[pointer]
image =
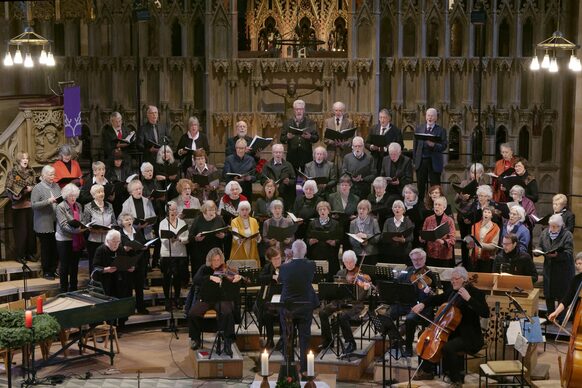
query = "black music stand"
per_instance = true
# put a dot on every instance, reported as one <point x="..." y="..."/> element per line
<point x="288" y="368"/>
<point x="171" y="328"/>
<point x="252" y="274"/>
<point x="336" y="292"/>
<point x="396" y="293"/>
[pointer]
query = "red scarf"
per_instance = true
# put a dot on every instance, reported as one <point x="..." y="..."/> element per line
<point x="78" y="239"/>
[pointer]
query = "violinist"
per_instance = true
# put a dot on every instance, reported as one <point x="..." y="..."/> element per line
<point x="426" y="283"/>
<point x="467" y="337"/>
<point x="573" y="291"/>
<point x="349" y="274"/>
<point x="269" y="278"/>
<point x="217" y="291"/>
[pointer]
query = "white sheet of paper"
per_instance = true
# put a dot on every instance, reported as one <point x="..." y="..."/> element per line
<point x="512" y="331"/>
<point x="521" y="344"/>
<point x="276" y="298"/>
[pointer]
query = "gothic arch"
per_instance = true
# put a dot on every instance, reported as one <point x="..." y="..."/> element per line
<point x="477" y="145"/>
<point x="500" y="138"/>
<point x="176" y="39"/>
<point x="199" y="38"/>
<point x="547" y="144"/>
<point x="433" y="37"/>
<point x="454" y="143"/>
<point x="408" y="137"/>
<point x="523" y="142"/>
<point x="364" y="31"/>
<point x="547" y="184"/>
<point x="386" y="37"/>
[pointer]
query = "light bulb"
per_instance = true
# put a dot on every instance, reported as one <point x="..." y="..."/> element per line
<point x="28" y="61"/>
<point x="18" y="56"/>
<point x="546" y="61"/>
<point x="50" y="59"/>
<point x="42" y="58"/>
<point x="8" y="59"/>
<point x="535" y="64"/>
<point x="578" y="66"/>
<point x="553" y="66"/>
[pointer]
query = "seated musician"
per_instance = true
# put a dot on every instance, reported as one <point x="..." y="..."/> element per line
<point x="299" y="297"/>
<point x="269" y="277"/>
<point x="512" y="260"/>
<point x="349" y="274"/>
<point x="115" y="283"/>
<point x="467" y="337"/>
<point x="216" y="291"/>
<point x="426" y="285"/>
<point x="572" y="295"/>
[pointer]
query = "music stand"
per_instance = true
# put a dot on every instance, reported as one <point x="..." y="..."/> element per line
<point x="252" y="274"/>
<point x="336" y="292"/>
<point x="288" y="368"/>
<point x="396" y="293"/>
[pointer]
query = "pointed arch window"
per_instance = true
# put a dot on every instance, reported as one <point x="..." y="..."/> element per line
<point x="454" y="143"/>
<point x="457" y="39"/>
<point x="547" y="144"/>
<point x="504" y="39"/>
<point x="500" y="138"/>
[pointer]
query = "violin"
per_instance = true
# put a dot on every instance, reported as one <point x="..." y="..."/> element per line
<point x="421" y="279"/>
<point x="447" y="318"/>
<point x="229" y="273"/>
<point x="354" y="276"/>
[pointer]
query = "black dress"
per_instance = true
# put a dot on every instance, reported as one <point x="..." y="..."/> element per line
<point x="321" y="250"/>
<point x="118" y="283"/>
<point x="201" y="248"/>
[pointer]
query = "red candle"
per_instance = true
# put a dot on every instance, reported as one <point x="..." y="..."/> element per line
<point x="39" y="305"/>
<point x="28" y="319"/>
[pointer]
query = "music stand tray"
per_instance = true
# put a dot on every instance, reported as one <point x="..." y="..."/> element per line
<point x="393" y="293"/>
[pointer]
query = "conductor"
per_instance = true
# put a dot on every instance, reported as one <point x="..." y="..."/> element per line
<point x="298" y="295"/>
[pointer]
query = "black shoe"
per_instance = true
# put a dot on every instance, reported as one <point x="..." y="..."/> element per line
<point x="350" y="347"/>
<point x="194" y="344"/>
<point x="56" y="275"/>
<point x="48" y="276"/>
<point x="146" y="286"/>
<point x="228" y="348"/>
<point x="143" y="311"/>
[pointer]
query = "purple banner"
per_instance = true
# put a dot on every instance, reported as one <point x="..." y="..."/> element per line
<point x="72" y="117"/>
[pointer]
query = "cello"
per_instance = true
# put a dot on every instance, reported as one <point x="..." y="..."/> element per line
<point x="433" y="338"/>
<point x="572" y="373"/>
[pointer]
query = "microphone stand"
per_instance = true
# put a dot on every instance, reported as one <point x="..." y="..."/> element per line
<point x="171" y="328"/>
<point x="25" y="269"/>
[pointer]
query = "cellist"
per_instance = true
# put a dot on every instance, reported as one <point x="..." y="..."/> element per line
<point x="571" y="296"/>
<point x="467" y="337"/>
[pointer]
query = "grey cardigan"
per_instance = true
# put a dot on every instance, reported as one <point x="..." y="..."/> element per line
<point x="43" y="210"/>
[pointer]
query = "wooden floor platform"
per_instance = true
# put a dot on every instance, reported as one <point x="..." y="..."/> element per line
<point x="218" y="366"/>
<point x="346" y="368"/>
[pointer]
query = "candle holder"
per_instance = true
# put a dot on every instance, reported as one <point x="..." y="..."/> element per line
<point x="265" y="382"/>
<point x="310" y="383"/>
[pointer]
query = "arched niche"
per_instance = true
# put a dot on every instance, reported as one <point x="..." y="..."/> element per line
<point x="523" y="142"/>
<point x="454" y="143"/>
<point x="386" y="37"/>
<point x="477" y="145"/>
<point x="504" y="39"/>
<point x="199" y="38"/>
<point x="547" y="184"/>
<point x="433" y="45"/>
<point x="457" y="38"/>
<point x="176" y="39"/>
<point x="547" y="144"/>
<point x="500" y="138"/>
<point x="527" y="41"/>
<point x="408" y="137"/>
<point x="365" y="32"/>
<point x="409" y="47"/>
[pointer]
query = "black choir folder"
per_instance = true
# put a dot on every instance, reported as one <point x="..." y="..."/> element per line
<point x="379" y="140"/>
<point x="123" y="263"/>
<point x="164" y="233"/>
<point x="206" y="180"/>
<point x="137" y="246"/>
<point x="388" y="236"/>
<point x="436" y="233"/>
<point x="470" y="188"/>
<point x="222" y="229"/>
<point x="296" y="131"/>
<point x="259" y="143"/>
<point x="281" y="233"/>
<point x="427" y="137"/>
<point x="190" y="213"/>
<point x="344" y="134"/>
<point x="145" y="222"/>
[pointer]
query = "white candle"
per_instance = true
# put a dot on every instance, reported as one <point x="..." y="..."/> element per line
<point x="264" y="363"/>
<point x="310" y="364"/>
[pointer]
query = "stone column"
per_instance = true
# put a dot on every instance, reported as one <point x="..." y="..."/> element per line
<point x="576" y="187"/>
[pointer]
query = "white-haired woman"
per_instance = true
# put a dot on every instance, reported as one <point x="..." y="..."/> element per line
<point x="381" y="200"/>
<point x="69" y="236"/>
<point x="557" y="244"/>
<point x="213" y="284"/>
<point x="115" y="282"/>
<point x="207" y="221"/>
<point x="243" y="164"/>
<point x="515" y="224"/>
<point x="173" y="253"/>
<point x="192" y="140"/>
<point x="304" y="206"/>
<point x="44" y="202"/>
<point x="277" y="219"/>
<point x="101" y="213"/>
<point x="366" y="228"/>
<point x="19" y="184"/>
<point x="440" y="252"/>
<point x="139" y="207"/>
<point x="228" y="205"/>
<point x="397" y="249"/>
<point x="245" y="235"/>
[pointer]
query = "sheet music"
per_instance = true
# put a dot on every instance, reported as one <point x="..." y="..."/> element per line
<point x="276" y="298"/>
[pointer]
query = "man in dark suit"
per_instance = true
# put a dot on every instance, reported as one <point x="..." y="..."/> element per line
<point x="391" y="133"/>
<point x="299" y="147"/>
<point x="111" y="136"/>
<point x="296" y="278"/>
<point x="152" y="133"/>
<point x="337" y="149"/>
<point x="428" y="155"/>
<point x="398" y="167"/>
<point x="278" y="169"/>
